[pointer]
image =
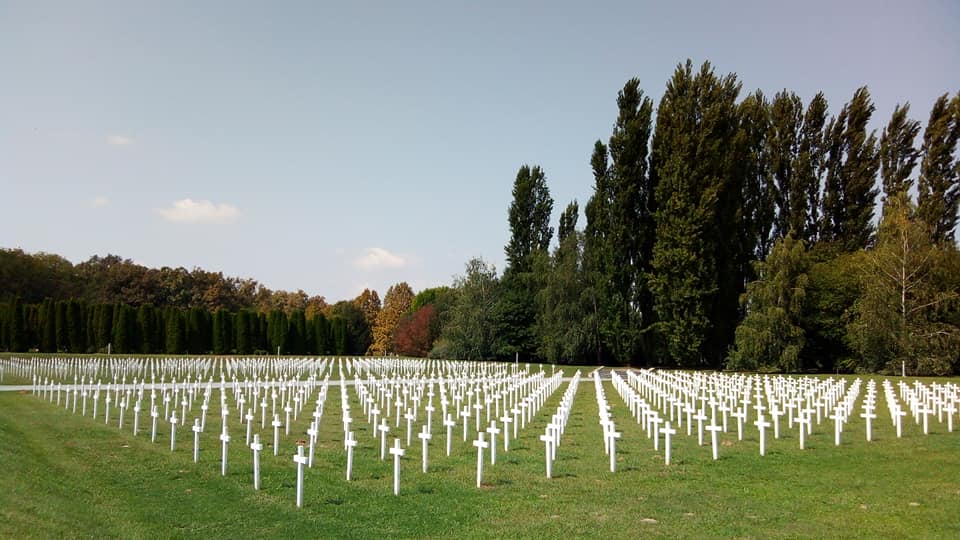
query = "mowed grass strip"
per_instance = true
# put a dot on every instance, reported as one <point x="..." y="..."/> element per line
<point x="70" y="476"/>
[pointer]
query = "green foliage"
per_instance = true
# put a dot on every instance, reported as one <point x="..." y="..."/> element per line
<point x="469" y="334"/>
<point x="357" y="333"/>
<point x="770" y="337"/>
<point x="898" y="318"/>
<point x="939" y="183"/>
<point x="833" y="287"/>
<point x="529" y="218"/>
<point x="619" y="234"/>
<point x="396" y="303"/>
<point x="695" y="263"/>
<point x="562" y="337"/>
<point x="898" y="157"/>
<point x="852" y="163"/>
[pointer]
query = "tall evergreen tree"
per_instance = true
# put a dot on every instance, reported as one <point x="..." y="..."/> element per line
<point x="149" y="330"/>
<point x="277" y="328"/>
<point x="124" y="338"/>
<point x="175" y="331"/>
<point x="695" y="266"/>
<point x="222" y="331"/>
<point x="16" y="329"/>
<point x="898" y="156"/>
<point x="76" y="327"/>
<point x="938" y="186"/>
<point x="62" y="331"/>
<point x="322" y="340"/>
<point x="853" y="160"/>
<point x="48" y="326"/>
<point x="244" y="333"/>
<point x="297" y="336"/>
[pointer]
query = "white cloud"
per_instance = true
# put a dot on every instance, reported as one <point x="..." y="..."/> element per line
<point x="100" y="201"/>
<point x="378" y="258"/>
<point x="191" y="211"/>
<point x="119" y="140"/>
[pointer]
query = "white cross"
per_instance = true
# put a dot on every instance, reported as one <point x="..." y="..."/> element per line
<point x="548" y="441"/>
<point x="196" y="439"/>
<point x="713" y="428"/>
<point x="506" y="431"/>
<point x="493" y="430"/>
<point x="396" y="451"/>
<point x="762" y="424"/>
<point x="449" y="423"/>
<point x="350" y="443"/>
<point x="225" y="440"/>
<point x="300" y="460"/>
<point x="667" y="432"/>
<point x="173" y="430"/>
<point x="480" y="444"/>
<point x="425" y="436"/>
<point x="276" y="433"/>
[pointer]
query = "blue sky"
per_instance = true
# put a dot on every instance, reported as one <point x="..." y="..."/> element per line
<point x="335" y="146"/>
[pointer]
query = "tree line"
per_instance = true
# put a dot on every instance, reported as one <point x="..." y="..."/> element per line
<point x="730" y="230"/>
<point x="724" y="230"/>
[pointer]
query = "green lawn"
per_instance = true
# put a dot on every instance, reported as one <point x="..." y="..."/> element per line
<point x="69" y="476"/>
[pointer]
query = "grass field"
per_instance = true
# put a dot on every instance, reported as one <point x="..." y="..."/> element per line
<point x="70" y="476"/>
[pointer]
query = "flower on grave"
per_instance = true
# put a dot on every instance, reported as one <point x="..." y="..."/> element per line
<point x="301" y="442"/>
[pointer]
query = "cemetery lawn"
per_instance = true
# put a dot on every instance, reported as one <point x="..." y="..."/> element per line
<point x="65" y="475"/>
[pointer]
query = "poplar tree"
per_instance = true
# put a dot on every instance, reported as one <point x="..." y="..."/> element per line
<point x="849" y="194"/>
<point x="938" y="187"/>
<point x="619" y="234"/>
<point x="782" y="147"/>
<point x="530" y="235"/>
<point x="808" y="170"/>
<point x="898" y="156"/>
<point x="697" y="192"/>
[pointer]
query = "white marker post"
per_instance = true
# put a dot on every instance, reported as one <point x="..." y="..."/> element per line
<point x="449" y="423"/>
<point x="173" y="430"/>
<point x="225" y="439"/>
<point x="155" y="413"/>
<point x="196" y="439"/>
<point x="256" y="447"/>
